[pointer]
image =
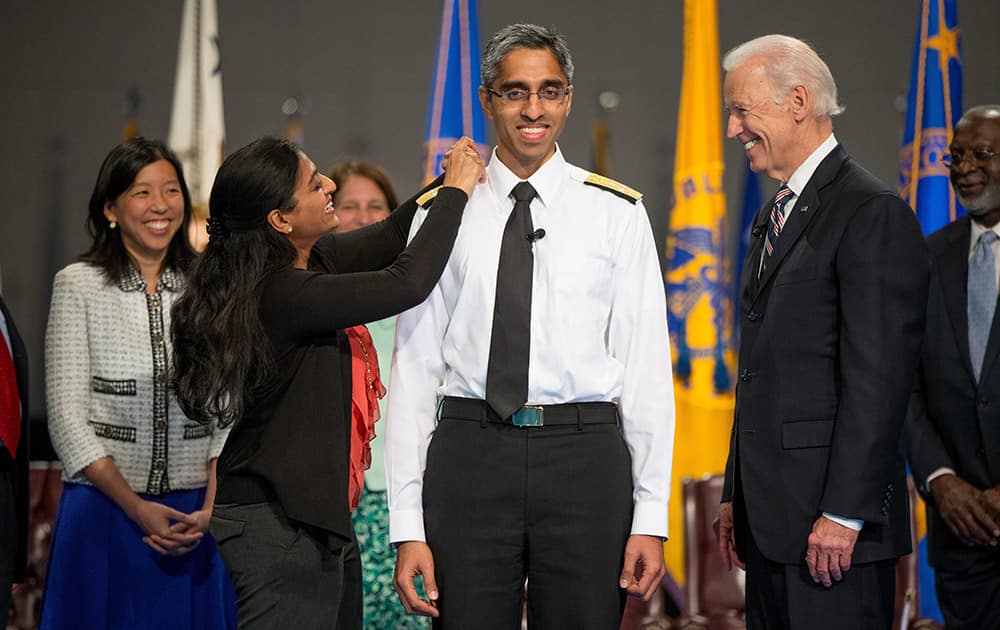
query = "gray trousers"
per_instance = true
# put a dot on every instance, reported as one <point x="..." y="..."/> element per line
<point x="287" y="575"/>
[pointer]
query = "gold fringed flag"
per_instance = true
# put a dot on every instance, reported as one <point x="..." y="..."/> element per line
<point x="698" y="277"/>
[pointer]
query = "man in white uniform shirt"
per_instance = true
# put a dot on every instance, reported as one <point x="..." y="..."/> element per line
<point x="532" y="423"/>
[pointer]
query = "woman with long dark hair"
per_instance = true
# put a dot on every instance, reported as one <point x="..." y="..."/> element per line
<point x="259" y="344"/>
<point x="130" y="547"/>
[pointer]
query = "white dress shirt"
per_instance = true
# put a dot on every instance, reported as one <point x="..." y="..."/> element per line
<point x="598" y="332"/>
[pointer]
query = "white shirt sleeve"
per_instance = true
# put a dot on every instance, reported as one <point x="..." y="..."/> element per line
<point x="851" y="523"/>
<point x="411" y="413"/>
<point x="638" y="339"/>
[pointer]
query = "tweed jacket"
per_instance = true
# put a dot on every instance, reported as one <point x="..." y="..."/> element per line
<point x="107" y="348"/>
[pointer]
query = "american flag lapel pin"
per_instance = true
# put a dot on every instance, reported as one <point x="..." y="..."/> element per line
<point x="804" y="209"/>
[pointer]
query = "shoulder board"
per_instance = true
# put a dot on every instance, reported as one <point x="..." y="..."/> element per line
<point x="629" y="194"/>
<point x="427" y="197"/>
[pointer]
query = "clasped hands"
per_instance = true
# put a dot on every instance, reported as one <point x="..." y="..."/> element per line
<point x="169" y="531"/>
<point x="973" y="515"/>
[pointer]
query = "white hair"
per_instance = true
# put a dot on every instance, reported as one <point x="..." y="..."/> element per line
<point x="789" y="62"/>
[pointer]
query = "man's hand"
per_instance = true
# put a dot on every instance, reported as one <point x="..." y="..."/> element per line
<point x="643" y="566"/>
<point x="990" y="500"/>
<point x="961" y="506"/>
<point x="828" y="555"/>
<point x="414" y="558"/>
<point x="727" y="540"/>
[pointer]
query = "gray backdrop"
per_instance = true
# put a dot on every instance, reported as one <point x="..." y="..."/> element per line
<point x="365" y="67"/>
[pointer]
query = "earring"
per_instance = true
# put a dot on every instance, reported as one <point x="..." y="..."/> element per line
<point x="113" y="224"/>
<point x="289" y="229"/>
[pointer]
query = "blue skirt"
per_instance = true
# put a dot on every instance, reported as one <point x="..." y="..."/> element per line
<point x="101" y="574"/>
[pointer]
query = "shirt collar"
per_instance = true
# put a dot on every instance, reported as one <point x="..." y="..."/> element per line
<point x="132" y="280"/>
<point x="546" y="180"/>
<point x="977" y="231"/>
<point x="797" y="182"/>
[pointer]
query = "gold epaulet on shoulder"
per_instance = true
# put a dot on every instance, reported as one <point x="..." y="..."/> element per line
<point x="617" y="188"/>
<point x="423" y="199"/>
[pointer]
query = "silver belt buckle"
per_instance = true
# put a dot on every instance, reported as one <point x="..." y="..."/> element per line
<point x="529" y="416"/>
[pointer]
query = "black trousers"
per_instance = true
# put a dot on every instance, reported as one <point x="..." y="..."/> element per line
<point x="552" y="505"/>
<point x="8" y="534"/>
<point x="287" y="575"/>
<point x="783" y="596"/>
<point x="970" y="599"/>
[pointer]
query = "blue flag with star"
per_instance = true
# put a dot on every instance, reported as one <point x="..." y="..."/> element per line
<point x="934" y="105"/>
<point x="454" y="107"/>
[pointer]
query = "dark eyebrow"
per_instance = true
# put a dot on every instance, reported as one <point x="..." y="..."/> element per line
<point x="520" y="85"/>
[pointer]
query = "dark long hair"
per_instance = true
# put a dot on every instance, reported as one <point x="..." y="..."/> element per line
<point x="117" y="174"/>
<point x="222" y="361"/>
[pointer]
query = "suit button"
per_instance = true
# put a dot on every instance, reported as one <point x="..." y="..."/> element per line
<point x="984" y="402"/>
<point x="753" y="316"/>
<point x="981" y="452"/>
<point x="745" y="375"/>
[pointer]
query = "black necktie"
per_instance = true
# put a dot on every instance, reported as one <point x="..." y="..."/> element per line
<point x="507" y="371"/>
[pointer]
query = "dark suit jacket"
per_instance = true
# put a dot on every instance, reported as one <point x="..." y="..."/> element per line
<point x="830" y="335"/>
<point x="21" y="462"/>
<point x="953" y="422"/>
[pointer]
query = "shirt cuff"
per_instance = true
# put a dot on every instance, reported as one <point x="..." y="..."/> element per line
<point x="940" y="472"/>
<point x="406" y="525"/>
<point x="650" y="518"/>
<point x="852" y="523"/>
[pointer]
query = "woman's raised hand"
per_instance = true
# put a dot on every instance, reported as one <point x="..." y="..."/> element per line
<point x="463" y="166"/>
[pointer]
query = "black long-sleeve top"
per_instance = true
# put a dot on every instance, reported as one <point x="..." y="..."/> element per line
<point x="294" y="447"/>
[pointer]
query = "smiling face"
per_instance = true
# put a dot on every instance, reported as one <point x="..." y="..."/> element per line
<point x="527" y="131"/>
<point x="149" y="213"/>
<point x="767" y="130"/>
<point x="313" y="215"/>
<point x="977" y="184"/>
<point x="360" y="202"/>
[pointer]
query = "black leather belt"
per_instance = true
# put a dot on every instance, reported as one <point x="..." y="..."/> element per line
<point x="568" y="414"/>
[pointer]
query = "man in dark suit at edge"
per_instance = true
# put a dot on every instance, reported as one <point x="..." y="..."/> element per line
<point x="953" y="428"/>
<point x="832" y="314"/>
<point x="13" y="459"/>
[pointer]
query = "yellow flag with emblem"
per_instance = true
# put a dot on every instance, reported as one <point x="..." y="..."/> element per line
<point x="698" y="277"/>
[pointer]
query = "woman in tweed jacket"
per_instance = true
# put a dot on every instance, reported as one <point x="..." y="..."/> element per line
<point x="130" y="547"/>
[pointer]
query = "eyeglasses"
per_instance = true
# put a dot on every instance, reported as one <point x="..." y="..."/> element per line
<point x="977" y="157"/>
<point x="519" y="95"/>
